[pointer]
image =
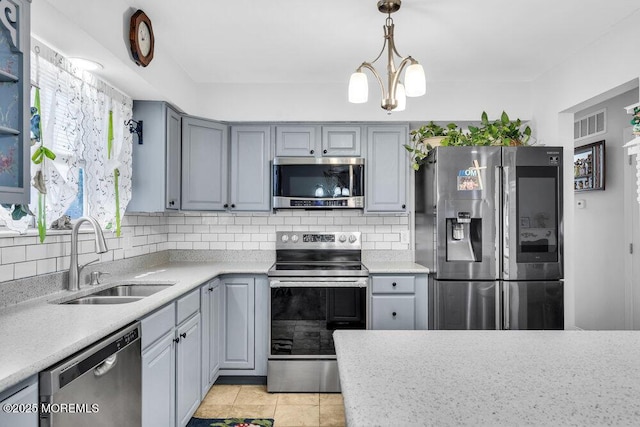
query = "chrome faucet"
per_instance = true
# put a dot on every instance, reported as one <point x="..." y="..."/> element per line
<point x="101" y="247"/>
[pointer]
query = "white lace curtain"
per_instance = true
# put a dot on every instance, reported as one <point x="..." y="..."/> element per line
<point x="76" y="109"/>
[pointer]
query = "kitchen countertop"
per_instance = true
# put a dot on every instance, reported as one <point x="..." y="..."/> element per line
<point x="489" y="377"/>
<point x="398" y="267"/>
<point x="37" y="334"/>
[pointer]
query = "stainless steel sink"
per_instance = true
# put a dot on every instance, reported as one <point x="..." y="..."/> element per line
<point x="103" y="300"/>
<point x="131" y="290"/>
<point x="120" y="294"/>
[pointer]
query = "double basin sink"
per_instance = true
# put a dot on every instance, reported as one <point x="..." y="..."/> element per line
<point x="120" y="294"/>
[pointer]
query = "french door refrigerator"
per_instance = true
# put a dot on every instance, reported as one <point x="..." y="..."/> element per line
<point x="489" y="228"/>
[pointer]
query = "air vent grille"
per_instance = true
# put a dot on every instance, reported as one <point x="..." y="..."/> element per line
<point x="590" y="125"/>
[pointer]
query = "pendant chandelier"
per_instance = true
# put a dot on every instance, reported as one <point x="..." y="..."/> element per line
<point x="395" y="93"/>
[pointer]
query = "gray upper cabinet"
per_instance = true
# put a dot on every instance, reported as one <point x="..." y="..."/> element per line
<point x="156" y="162"/>
<point x="296" y="141"/>
<point x="317" y="141"/>
<point x="15" y="138"/>
<point x="249" y="169"/>
<point x="386" y="168"/>
<point x="204" y="164"/>
<point x="341" y="140"/>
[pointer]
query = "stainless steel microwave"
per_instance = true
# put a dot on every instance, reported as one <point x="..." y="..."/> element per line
<point x="318" y="183"/>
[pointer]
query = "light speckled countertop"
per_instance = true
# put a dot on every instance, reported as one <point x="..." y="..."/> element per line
<point x="37" y="334"/>
<point x="397" y="267"/>
<point x="489" y="377"/>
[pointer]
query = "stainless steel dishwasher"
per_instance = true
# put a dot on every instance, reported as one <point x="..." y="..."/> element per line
<point x="98" y="386"/>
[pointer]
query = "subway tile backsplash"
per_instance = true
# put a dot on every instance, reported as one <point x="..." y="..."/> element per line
<point x="147" y="233"/>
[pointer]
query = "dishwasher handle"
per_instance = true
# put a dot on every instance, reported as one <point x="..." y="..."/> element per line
<point x="105" y="366"/>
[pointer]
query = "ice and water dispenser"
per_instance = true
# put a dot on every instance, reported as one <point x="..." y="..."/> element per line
<point x="464" y="232"/>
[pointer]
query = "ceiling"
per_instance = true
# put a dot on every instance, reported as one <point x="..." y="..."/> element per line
<point x="282" y="41"/>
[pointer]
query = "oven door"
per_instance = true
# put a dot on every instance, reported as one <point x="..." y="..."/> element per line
<point x="304" y="312"/>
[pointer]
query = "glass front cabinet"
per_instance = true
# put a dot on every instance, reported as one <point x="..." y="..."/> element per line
<point x="15" y="87"/>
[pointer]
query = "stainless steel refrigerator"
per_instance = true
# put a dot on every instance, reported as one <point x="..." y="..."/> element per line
<point x="489" y="227"/>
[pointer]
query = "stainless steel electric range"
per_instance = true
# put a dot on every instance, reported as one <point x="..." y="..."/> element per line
<point x="318" y="284"/>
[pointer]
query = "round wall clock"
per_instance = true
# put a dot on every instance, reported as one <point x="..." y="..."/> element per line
<point x="141" y="38"/>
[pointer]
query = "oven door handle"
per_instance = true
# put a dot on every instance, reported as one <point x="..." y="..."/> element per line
<point x="318" y="284"/>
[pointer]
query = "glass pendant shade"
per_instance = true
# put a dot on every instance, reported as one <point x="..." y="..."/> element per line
<point x="401" y="97"/>
<point x="358" y="88"/>
<point x="415" y="81"/>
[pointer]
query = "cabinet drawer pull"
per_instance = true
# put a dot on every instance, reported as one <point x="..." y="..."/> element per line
<point x="394" y="284"/>
<point x="183" y="335"/>
<point x="393" y="314"/>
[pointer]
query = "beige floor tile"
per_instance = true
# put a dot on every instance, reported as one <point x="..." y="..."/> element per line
<point x="332" y="416"/>
<point x="255" y="395"/>
<point x="252" y="411"/>
<point x="212" y="411"/>
<point x="298" y="399"/>
<point x="331" y="399"/>
<point x="222" y="394"/>
<point x="297" y="416"/>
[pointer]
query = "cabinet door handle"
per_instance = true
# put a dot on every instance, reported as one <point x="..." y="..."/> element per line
<point x="404" y="206"/>
<point x="226" y="205"/>
<point x="233" y="206"/>
<point x="176" y="340"/>
<point x="171" y="203"/>
<point x="210" y="289"/>
<point x="393" y="314"/>
<point x="325" y="152"/>
<point x="183" y="335"/>
<point x="394" y="284"/>
<point x="311" y="152"/>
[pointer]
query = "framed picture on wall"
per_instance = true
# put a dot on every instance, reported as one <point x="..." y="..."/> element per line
<point x="588" y="167"/>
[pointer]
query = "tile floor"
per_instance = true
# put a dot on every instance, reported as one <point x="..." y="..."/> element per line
<point x="287" y="409"/>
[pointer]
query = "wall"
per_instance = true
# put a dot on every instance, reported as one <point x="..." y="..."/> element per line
<point x="600" y="232"/>
<point x="605" y="69"/>
<point x="23" y="256"/>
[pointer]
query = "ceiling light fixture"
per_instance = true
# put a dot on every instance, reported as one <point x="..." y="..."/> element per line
<point x="394" y="95"/>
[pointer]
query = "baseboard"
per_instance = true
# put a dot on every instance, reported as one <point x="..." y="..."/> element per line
<point x="242" y="380"/>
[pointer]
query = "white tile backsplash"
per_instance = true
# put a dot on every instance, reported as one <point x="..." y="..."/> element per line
<point x="24" y="256"/>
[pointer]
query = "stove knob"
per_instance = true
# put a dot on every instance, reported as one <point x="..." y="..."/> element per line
<point x="284" y="238"/>
<point x="342" y="238"/>
<point x="294" y="238"/>
<point x="352" y="238"/>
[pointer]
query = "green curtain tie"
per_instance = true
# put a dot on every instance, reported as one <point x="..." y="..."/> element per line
<point x="42" y="152"/>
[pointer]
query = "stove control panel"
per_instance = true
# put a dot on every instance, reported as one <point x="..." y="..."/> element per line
<point x="351" y="240"/>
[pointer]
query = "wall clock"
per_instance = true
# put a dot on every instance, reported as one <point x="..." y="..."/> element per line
<point x="141" y="38"/>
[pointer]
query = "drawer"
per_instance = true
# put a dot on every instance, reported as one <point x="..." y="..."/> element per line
<point x="157" y="325"/>
<point x="393" y="312"/>
<point x="393" y="284"/>
<point x="187" y="306"/>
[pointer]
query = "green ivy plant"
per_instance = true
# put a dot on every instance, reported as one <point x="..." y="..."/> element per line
<point x="503" y="131"/>
<point x="420" y="145"/>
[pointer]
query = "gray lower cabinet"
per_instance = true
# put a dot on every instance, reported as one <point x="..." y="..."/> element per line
<point x="188" y="369"/>
<point x="156" y="162"/>
<point x="158" y="385"/>
<point x="18" y="404"/>
<point x="210" y="311"/>
<point x="238" y="323"/>
<point x="204" y="164"/>
<point x="386" y="168"/>
<point x="249" y="170"/>
<point x="171" y="362"/>
<point x="398" y="302"/>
